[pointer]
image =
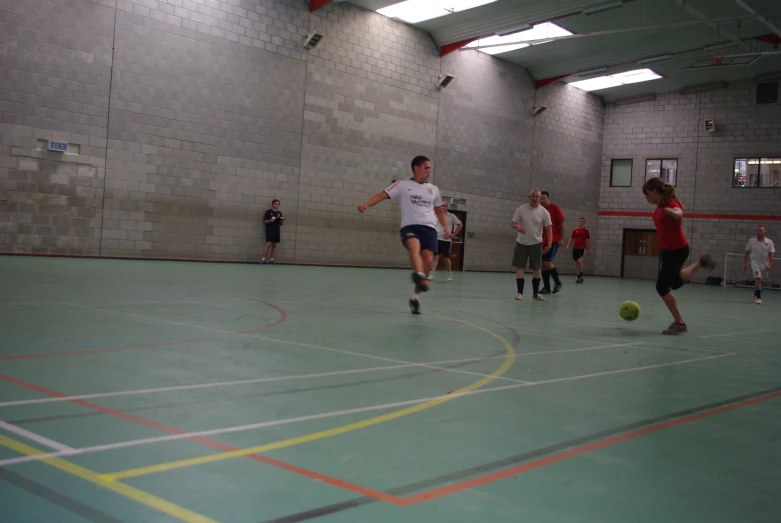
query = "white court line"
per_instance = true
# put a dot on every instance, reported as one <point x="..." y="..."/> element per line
<point x="32" y="436"/>
<point x="252" y="335"/>
<point x="240" y="428"/>
<point x="735" y="333"/>
<point x="285" y="378"/>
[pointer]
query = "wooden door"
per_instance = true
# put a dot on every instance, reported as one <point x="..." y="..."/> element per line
<point x="641" y="254"/>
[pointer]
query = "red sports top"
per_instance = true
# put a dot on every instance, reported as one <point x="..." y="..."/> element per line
<point x="669" y="231"/>
<point x="556" y="218"/>
<point x="580" y="235"/>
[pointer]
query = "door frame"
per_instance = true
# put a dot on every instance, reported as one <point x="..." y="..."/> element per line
<point x="623" y="244"/>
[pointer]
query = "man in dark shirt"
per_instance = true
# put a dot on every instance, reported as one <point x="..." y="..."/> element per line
<point x="273" y="220"/>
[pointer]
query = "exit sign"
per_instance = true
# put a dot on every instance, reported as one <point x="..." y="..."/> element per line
<point x="60" y="147"/>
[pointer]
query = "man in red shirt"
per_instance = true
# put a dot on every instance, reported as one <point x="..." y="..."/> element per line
<point x="557" y="226"/>
<point x="582" y="237"/>
<point x="668" y="218"/>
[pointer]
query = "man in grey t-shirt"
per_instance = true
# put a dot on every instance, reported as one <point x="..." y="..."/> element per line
<point x="529" y="220"/>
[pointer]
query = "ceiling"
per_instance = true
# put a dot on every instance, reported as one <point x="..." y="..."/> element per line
<point x="689" y="30"/>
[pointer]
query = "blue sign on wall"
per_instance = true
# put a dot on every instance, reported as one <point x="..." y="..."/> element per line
<point x="61" y="147"/>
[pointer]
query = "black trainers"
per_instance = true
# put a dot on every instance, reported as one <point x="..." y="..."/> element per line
<point x="556" y="288"/>
<point x="414" y="306"/>
<point x="420" y="281"/>
<point x="707" y="261"/>
<point x="545" y="290"/>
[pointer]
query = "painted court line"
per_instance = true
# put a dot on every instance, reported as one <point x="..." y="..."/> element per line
<point x="736" y="333"/>
<point x="301" y="376"/>
<point x="32" y="436"/>
<point x="127" y="491"/>
<point x="159" y="439"/>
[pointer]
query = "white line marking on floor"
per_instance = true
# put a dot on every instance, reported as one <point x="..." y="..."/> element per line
<point x="174" y="437"/>
<point x="736" y="333"/>
<point x="32" y="436"/>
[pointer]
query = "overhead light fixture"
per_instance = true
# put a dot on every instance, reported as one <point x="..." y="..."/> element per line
<point x="517" y="40"/>
<point x="414" y="11"/>
<point x="636" y="99"/>
<point x="538" y="109"/>
<point x="601" y="8"/>
<point x="701" y="88"/>
<point x="646" y="61"/>
<point x="592" y="71"/>
<point x="615" y="80"/>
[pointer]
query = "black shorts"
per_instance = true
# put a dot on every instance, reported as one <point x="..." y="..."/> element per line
<point x="548" y="256"/>
<point x="670" y="270"/>
<point x="443" y="248"/>
<point x="272" y="236"/>
<point x="577" y="254"/>
<point x="427" y="236"/>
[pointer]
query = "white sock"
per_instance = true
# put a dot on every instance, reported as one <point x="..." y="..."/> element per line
<point x="415" y="296"/>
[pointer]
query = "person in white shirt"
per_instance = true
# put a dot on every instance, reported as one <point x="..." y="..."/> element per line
<point x="421" y="210"/>
<point x="529" y="220"/>
<point x="444" y="245"/>
<point x="760" y="251"/>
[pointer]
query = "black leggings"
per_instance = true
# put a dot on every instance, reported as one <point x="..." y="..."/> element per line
<point x="670" y="271"/>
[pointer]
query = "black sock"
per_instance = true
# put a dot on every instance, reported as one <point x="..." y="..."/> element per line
<point x="536" y="285"/>
<point x="759" y="293"/>
<point x="519" y="283"/>
<point x="546" y="279"/>
<point x="580" y="275"/>
<point x="555" y="274"/>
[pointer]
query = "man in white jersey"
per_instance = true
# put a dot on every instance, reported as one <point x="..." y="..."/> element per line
<point x="760" y="251"/>
<point x="421" y="210"/>
<point x="444" y="245"/>
<point x="529" y="220"/>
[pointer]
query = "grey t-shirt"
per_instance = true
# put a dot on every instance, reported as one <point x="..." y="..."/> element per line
<point x="533" y="220"/>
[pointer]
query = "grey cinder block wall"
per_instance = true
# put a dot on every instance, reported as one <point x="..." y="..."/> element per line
<point x="186" y="118"/>
<point x="672" y="127"/>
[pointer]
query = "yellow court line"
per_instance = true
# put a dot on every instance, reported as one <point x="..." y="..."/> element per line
<point x="163" y="467"/>
<point x="120" y="488"/>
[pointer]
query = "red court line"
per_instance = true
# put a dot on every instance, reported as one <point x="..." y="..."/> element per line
<point x="282" y="319"/>
<point x="336" y="482"/>
<point x="696" y="216"/>
<point x="576" y="451"/>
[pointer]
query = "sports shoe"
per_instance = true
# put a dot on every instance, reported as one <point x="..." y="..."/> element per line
<point x="757" y="300"/>
<point x="538" y="297"/>
<point x="545" y="290"/>
<point x="263" y="261"/>
<point x="449" y="276"/>
<point x="676" y="328"/>
<point x="579" y="280"/>
<point x="420" y="281"/>
<point x="707" y="261"/>
<point x="519" y="296"/>
<point x="556" y="288"/>
<point x="414" y="306"/>
<point x="432" y="276"/>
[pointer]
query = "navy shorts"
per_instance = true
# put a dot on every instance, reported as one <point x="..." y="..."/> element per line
<point x="577" y="254"/>
<point x="548" y="257"/>
<point x="443" y="248"/>
<point x="427" y="236"/>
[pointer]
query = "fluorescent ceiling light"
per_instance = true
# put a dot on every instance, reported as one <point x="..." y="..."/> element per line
<point x="414" y="11"/>
<point x="515" y="41"/>
<point x="614" y="80"/>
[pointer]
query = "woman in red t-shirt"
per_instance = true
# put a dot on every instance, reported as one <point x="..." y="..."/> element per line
<point x="668" y="218"/>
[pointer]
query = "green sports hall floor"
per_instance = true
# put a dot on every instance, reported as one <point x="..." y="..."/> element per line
<point x="140" y="391"/>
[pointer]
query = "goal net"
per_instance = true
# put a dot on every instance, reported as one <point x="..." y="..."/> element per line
<point x="735" y="276"/>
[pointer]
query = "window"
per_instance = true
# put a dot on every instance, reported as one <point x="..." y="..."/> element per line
<point x="757" y="172"/>
<point x="621" y="173"/>
<point x="666" y="168"/>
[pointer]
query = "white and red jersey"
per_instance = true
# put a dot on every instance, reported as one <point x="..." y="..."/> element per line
<point x="417" y="202"/>
<point x="580" y="235"/>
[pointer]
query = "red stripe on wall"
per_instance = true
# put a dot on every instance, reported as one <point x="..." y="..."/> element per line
<point x="696" y="216"/>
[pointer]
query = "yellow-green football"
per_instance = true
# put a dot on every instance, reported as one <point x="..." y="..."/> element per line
<point x="629" y="310"/>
